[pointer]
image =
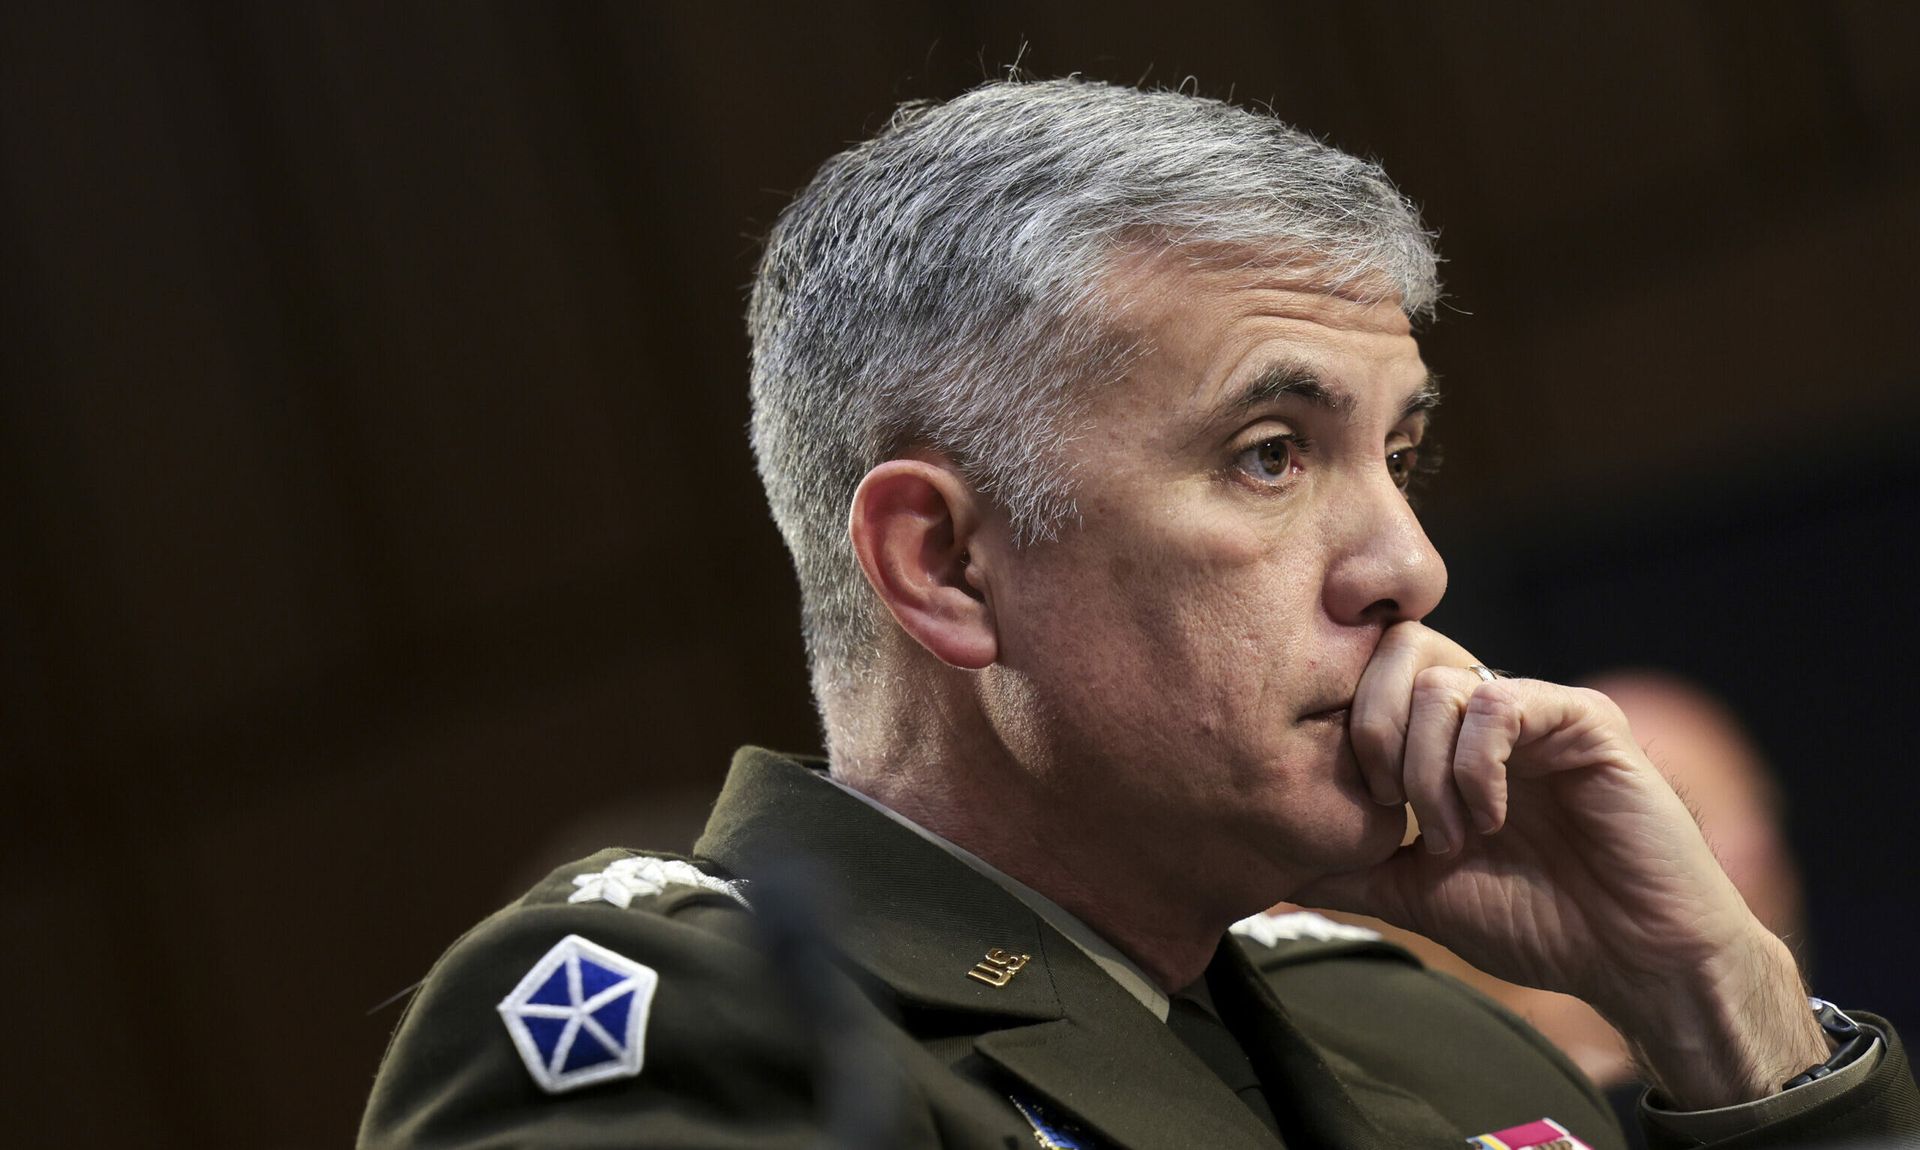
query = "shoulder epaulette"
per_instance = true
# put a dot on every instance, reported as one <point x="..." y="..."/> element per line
<point x="620" y="877"/>
<point x="1274" y="940"/>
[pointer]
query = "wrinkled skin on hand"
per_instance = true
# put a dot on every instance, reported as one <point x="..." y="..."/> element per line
<point x="1553" y="853"/>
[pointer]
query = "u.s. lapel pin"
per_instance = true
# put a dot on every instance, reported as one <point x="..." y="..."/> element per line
<point x="998" y="967"/>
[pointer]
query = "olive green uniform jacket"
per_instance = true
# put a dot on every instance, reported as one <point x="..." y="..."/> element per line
<point x="764" y="1032"/>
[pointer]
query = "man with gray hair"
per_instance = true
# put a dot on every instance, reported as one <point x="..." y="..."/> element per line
<point x="1088" y="415"/>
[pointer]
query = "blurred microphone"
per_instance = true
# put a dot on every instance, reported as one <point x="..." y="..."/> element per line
<point x="858" y="1087"/>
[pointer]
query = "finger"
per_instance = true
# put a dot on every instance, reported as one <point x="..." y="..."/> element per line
<point x="1489" y="731"/>
<point x="1378" y="726"/>
<point x="1439" y="703"/>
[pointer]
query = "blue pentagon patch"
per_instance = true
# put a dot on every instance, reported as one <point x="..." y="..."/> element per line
<point x="580" y="1015"/>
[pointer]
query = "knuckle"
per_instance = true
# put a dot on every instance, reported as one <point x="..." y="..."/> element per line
<point x="1436" y="685"/>
<point x="1476" y="769"/>
<point x="1374" y="738"/>
<point x="1602" y="704"/>
<point x="1495" y="703"/>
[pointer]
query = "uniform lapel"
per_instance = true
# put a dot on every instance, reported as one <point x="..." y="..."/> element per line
<point x="917" y="919"/>
<point x="1319" y="1098"/>
<point x="1118" y="1069"/>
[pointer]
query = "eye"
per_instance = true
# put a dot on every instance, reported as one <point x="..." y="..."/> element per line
<point x="1403" y="464"/>
<point x="1270" y="461"/>
<point x="1410" y="465"/>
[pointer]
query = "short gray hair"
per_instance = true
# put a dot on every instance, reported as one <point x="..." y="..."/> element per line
<point x="939" y="285"/>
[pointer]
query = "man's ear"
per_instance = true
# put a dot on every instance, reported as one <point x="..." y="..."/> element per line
<point x="912" y="526"/>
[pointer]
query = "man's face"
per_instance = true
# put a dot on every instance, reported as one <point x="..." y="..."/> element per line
<point x="1189" y="648"/>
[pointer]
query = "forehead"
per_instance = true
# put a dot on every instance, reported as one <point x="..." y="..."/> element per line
<point x="1204" y="325"/>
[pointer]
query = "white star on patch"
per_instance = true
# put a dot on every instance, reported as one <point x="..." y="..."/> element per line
<point x="1271" y="929"/>
<point x="631" y="878"/>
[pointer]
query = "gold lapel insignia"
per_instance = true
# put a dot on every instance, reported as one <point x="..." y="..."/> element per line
<point x="998" y="967"/>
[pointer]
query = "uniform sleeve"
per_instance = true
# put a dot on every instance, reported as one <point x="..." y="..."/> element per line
<point x="719" y="1061"/>
<point x="1872" y="1102"/>
<point x="1411" y="1032"/>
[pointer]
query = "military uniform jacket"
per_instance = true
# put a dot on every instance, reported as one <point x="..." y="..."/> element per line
<point x="763" y="1028"/>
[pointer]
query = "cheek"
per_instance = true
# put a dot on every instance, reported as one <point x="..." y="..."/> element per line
<point x="1192" y="630"/>
<point x="1229" y="596"/>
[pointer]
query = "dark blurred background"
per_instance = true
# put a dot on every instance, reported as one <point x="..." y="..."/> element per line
<point x="377" y="527"/>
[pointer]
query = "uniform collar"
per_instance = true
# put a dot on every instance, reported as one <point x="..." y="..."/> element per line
<point x="1104" y="954"/>
<point x="917" y="918"/>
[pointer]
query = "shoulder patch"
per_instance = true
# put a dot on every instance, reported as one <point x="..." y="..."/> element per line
<point x="629" y="878"/>
<point x="580" y="1015"/>
<point x="1271" y="929"/>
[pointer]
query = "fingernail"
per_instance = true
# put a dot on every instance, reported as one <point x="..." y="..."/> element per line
<point x="1391" y="799"/>
<point x="1485" y="822"/>
<point x="1436" y="844"/>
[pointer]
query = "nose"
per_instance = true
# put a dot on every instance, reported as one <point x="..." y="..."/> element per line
<point x="1384" y="568"/>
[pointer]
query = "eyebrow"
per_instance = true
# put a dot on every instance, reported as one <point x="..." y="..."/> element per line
<point x="1292" y="381"/>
